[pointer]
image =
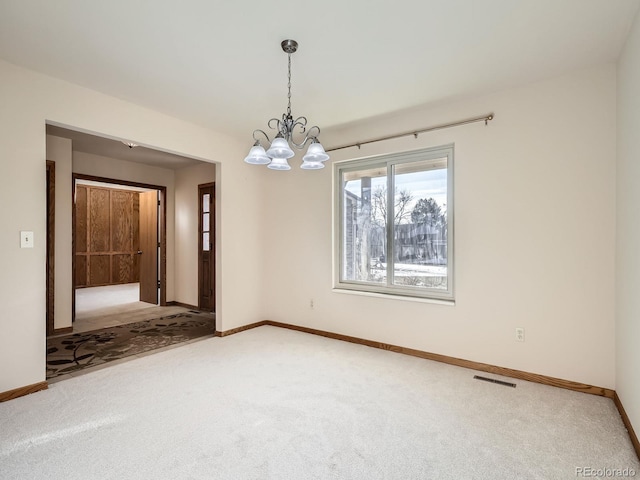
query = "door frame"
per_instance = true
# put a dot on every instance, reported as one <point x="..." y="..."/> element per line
<point x="162" y="223"/>
<point x="212" y="252"/>
<point x="51" y="246"/>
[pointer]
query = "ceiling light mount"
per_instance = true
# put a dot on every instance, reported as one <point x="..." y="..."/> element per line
<point x="280" y="150"/>
<point x="289" y="46"/>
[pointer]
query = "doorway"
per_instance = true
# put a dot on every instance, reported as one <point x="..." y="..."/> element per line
<point x="206" y="248"/>
<point x="119" y="240"/>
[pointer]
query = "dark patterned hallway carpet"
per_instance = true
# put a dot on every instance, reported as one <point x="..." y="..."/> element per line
<point x="70" y="353"/>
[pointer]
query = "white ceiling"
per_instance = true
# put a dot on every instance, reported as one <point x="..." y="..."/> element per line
<point x="219" y="63"/>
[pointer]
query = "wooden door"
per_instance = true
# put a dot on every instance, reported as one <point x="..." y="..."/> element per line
<point x="206" y="248"/>
<point x="106" y="236"/>
<point x="149" y="247"/>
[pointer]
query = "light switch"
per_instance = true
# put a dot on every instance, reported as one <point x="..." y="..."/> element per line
<point x="26" y="239"/>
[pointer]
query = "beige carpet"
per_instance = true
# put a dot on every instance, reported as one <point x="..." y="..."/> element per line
<point x="92" y="299"/>
<point x="113" y="305"/>
<point x="271" y="403"/>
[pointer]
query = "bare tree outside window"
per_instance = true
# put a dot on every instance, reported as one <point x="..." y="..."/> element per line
<point x="403" y="199"/>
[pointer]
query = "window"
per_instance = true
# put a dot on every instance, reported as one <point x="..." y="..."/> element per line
<point x="399" y="243"/>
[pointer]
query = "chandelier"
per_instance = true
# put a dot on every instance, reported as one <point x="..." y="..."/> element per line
<point x="289" y="130"/>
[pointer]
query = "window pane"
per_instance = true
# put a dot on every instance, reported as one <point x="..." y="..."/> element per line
<point x="394" y="224"/>
<point x="205" y="222"/>
<point x="205" y="241"/>
<point x="364" y="238"/>
<point x="420" y="224"/>
<point x="206" y="200"/>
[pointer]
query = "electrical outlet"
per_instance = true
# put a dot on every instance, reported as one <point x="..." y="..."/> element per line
<point x="519" y="334"/>
<point x="311" y="303"/>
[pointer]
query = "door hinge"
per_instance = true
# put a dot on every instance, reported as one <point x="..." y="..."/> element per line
<point x="158" y="244"/>
<point x="158" y="283"/>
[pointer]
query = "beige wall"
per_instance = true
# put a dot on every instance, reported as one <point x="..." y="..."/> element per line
<point x="535" y="206"/>
<point x="534" y="244"/>
<point x="59" y="151"/>
<point x="28" y="101"/>
<point x="96" y="165"/>
<point x="628" y="229"/>
<point x="187" y="181"/>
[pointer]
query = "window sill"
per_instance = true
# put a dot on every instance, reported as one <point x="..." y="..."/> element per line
<point x="391" y="296"/>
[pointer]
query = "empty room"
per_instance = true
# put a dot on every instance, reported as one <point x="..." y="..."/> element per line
<point x="405" y="235"/>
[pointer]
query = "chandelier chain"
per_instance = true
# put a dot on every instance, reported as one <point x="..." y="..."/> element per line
<point x="289" y="86"/>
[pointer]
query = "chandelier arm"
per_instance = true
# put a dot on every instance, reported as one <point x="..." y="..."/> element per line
<point x="311" y="134"/>
<point x="302" y="144"/>
<point x="263" y="133"/>
<point x="300" y="122"/>
<point x="278" y="123"/>
<point x="299" y="146"/>
<point x="317" y="129"/>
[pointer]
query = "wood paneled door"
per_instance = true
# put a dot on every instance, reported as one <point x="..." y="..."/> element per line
<point x="107" y="236"/>
<point x="206" y="248"/>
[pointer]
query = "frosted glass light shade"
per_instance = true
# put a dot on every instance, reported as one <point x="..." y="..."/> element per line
<point x="307" y="165"/>
<point x="279" y="164"/>
<point x="280" y="149"/>
<point x="257" y="156"/>
<point x="316" y="153"/>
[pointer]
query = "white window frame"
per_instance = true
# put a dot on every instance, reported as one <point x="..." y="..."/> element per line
<point x="389" y="160"/>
